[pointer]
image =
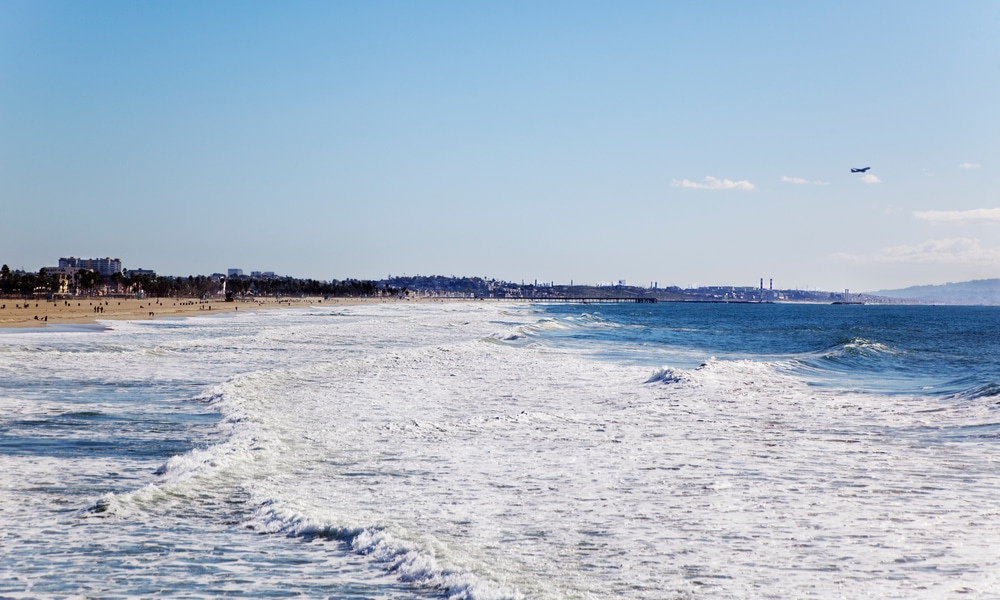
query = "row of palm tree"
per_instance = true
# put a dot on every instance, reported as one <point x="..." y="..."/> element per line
<point x="88" y="282"/>
<point x="28" y="284"/>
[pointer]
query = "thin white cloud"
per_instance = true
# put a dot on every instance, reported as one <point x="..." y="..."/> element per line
<point x="801" y="181"/>
<point x="869" y="178"/>
<point x="714" y="183"/>
<point x="953" y="251"/>
<point x="968" y="165"/>
<point x="976" y="216"/>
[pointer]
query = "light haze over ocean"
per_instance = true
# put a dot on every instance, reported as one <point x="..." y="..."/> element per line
<point x="682" y="143"/>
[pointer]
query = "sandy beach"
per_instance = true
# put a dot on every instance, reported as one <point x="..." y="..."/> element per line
<point x="17" y="313"/>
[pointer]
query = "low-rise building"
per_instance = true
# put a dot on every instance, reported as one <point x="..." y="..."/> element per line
<point x="65" y="275"/>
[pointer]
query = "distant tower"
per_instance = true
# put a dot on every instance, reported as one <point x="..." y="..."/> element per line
<point x="761" y="299"/>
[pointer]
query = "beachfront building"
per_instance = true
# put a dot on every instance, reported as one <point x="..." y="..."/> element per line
<point x="65" y="275"/>
<point x="235" y="273"/>
<point x="105" y="266"/>
<point x="75" y="280"/>
<point x="62" y="272"/>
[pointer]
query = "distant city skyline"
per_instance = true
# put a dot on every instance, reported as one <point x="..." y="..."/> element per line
<point x="687" y="144"/>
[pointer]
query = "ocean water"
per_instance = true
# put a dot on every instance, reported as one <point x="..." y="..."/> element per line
<point x="491" y="450"/>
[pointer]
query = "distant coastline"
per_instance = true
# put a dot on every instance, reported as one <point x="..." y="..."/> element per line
<point x="979" y="292"/>
<point x="61" y="287"/>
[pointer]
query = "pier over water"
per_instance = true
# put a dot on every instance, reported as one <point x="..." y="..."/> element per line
<point x="587" y="300"/>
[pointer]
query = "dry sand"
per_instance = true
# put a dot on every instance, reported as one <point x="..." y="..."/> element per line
<point x="38" y="313"/>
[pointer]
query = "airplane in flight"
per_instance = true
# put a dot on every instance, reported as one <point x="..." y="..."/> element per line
<point x="860" y="170"/>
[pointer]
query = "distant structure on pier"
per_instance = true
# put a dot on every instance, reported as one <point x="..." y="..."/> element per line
<point x="769" y="296"/>
<point x="105" y="266"/>
<point x="847" y="298"/>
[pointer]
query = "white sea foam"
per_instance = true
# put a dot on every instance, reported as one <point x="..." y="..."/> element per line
<point x="410" y="439"/>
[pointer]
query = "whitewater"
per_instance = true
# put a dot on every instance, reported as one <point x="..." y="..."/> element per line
<point x="490" y="450"/>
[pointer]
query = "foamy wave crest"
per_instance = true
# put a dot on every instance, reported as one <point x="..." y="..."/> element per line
<point x="549" y="324"/>
<point x="174" y="473"/>
<point x="714" y="367"/>
<point x="738" y="380"/>
<point x="858" y="347"/>
<point x="512" y="335"/>
<point x="989" y="390"/>
<point x="592" y="320"/>
<point x="244" y="468"/>
<point x="731" y="381"/>
<point x="415" y="562"/>
<point x="180" y="477"/>
<point x="521" y="333"/>
<point x="668" y="375"/>
<point x="545" y="325"/>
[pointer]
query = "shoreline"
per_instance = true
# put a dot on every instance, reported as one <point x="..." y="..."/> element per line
<point x="29" y="314"/>
<point x="37" y="314"/>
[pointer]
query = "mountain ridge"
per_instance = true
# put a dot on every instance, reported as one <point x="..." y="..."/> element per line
<point x="975" y="292"/>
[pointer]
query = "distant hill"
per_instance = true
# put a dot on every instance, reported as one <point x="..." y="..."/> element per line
<point x="980" y="291"/>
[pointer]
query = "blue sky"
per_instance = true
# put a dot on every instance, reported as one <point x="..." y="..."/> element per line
<point x="682" y="143"/>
